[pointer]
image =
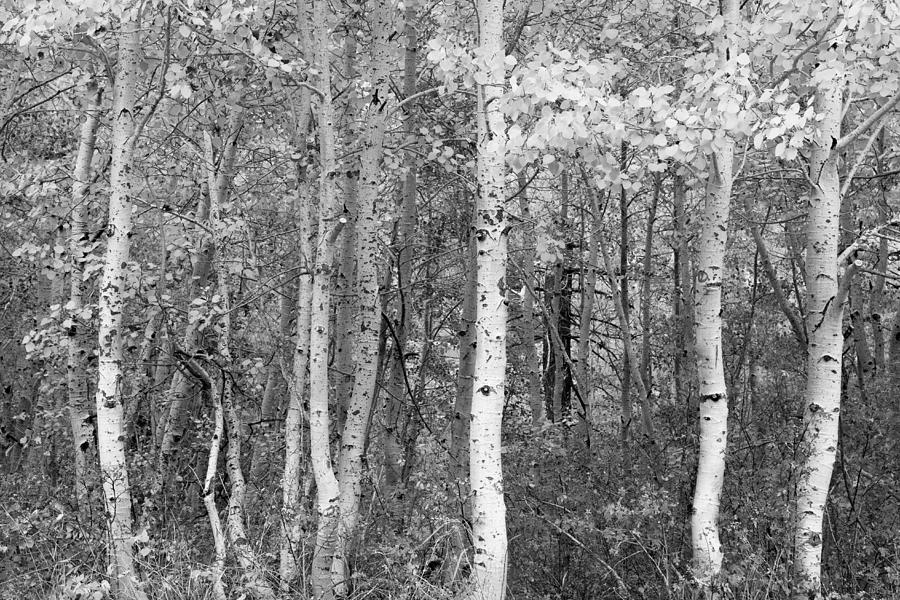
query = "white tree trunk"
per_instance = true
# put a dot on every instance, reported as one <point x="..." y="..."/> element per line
<point x="111" y="304"/>
<point x="488" y="395"/>
<point x="368" y="320"/>
<point x="291" y="513"/>
<point x="823" y="326"/>
<point x="327" y="488"/>
<point x="218" y="181"/>
<point x="707" y="549"/>
<point x="80" y="415"/>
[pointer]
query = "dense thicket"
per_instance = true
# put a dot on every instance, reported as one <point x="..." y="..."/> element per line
<point x="583" y="299"/>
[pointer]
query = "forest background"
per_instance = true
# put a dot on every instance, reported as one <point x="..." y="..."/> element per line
<point x="434" y="299"/>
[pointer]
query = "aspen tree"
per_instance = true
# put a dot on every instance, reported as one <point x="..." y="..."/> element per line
<point x="488" y="394"/>
<point x="368" y="318"/>
<point x="80" y="416"/>
<point x="823" y="326"/>
<point x="111" y="305"/>
<point x="218" y="180"/>
<point x="707" y="549"/>
<point x="293" y="425"/>
<point x="327" y="487"/>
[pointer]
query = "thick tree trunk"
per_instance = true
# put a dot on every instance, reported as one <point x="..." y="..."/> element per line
<point x="707" y="549"/>
<point x="488" y="396"/>
<point x="80" y="412"/>
<point x="823" y="326"/>
<point x="111" y="305"/>
<point x="588" y="293"/>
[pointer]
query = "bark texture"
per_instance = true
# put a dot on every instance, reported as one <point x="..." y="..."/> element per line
<point x="488" y="395"/>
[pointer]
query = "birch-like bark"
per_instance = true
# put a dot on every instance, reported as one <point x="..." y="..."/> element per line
<point x="823" y="326"/>
<point x="532" y="364"/>
<point x="344" y="283"/>
<point x="291" y="513"/>
<point x="488" y="396"/>
<point x="327" y="488"/>
<point x="210" y="390"/>
<point x="368" y="320"/>
<point x="111" y="305"/>
<point x="707" y="549"/>
<point x="218" y="182"/>
<point x="80" y="413"/>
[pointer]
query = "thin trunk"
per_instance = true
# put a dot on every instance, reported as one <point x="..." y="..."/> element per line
<point x="630" y="358"/>
<point x="270" y="408"/>
<point x="559" y="310"/>
<point x="682" y="281"/>
<point x="344" y="294"/>
<point x="292" y="516"/>
<point x="209" y="481"/>
<point x="877" y="298"/>
<point x="368" y="319"/>
<point x="588" y="293"/>
<point x="865" y="362"/>
<point x="624" y="305"/>
<point x="406" y="229"/>
<point x="489" y="387"/>
<point x="80" y="413"/>
<point x="823" y="325"/>
<point x="459" y="490"/>
<point x="707" y="549"/>
<point x="111" y="305"/>
<point x="327" y="488"/>
<point x="532" y="364"/>
<point x="646" y="279"/>
<point x="218" y="181"/>
<point x="772" y="277"/>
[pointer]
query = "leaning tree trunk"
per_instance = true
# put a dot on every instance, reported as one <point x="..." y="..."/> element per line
<point x="80" y="414"/>
<point x="707" y="548"/>
<point x="218" y="181"/>
<point x="488" y="395"/>
<point x="111" y="305"/>
<point x="823" y="325"/>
